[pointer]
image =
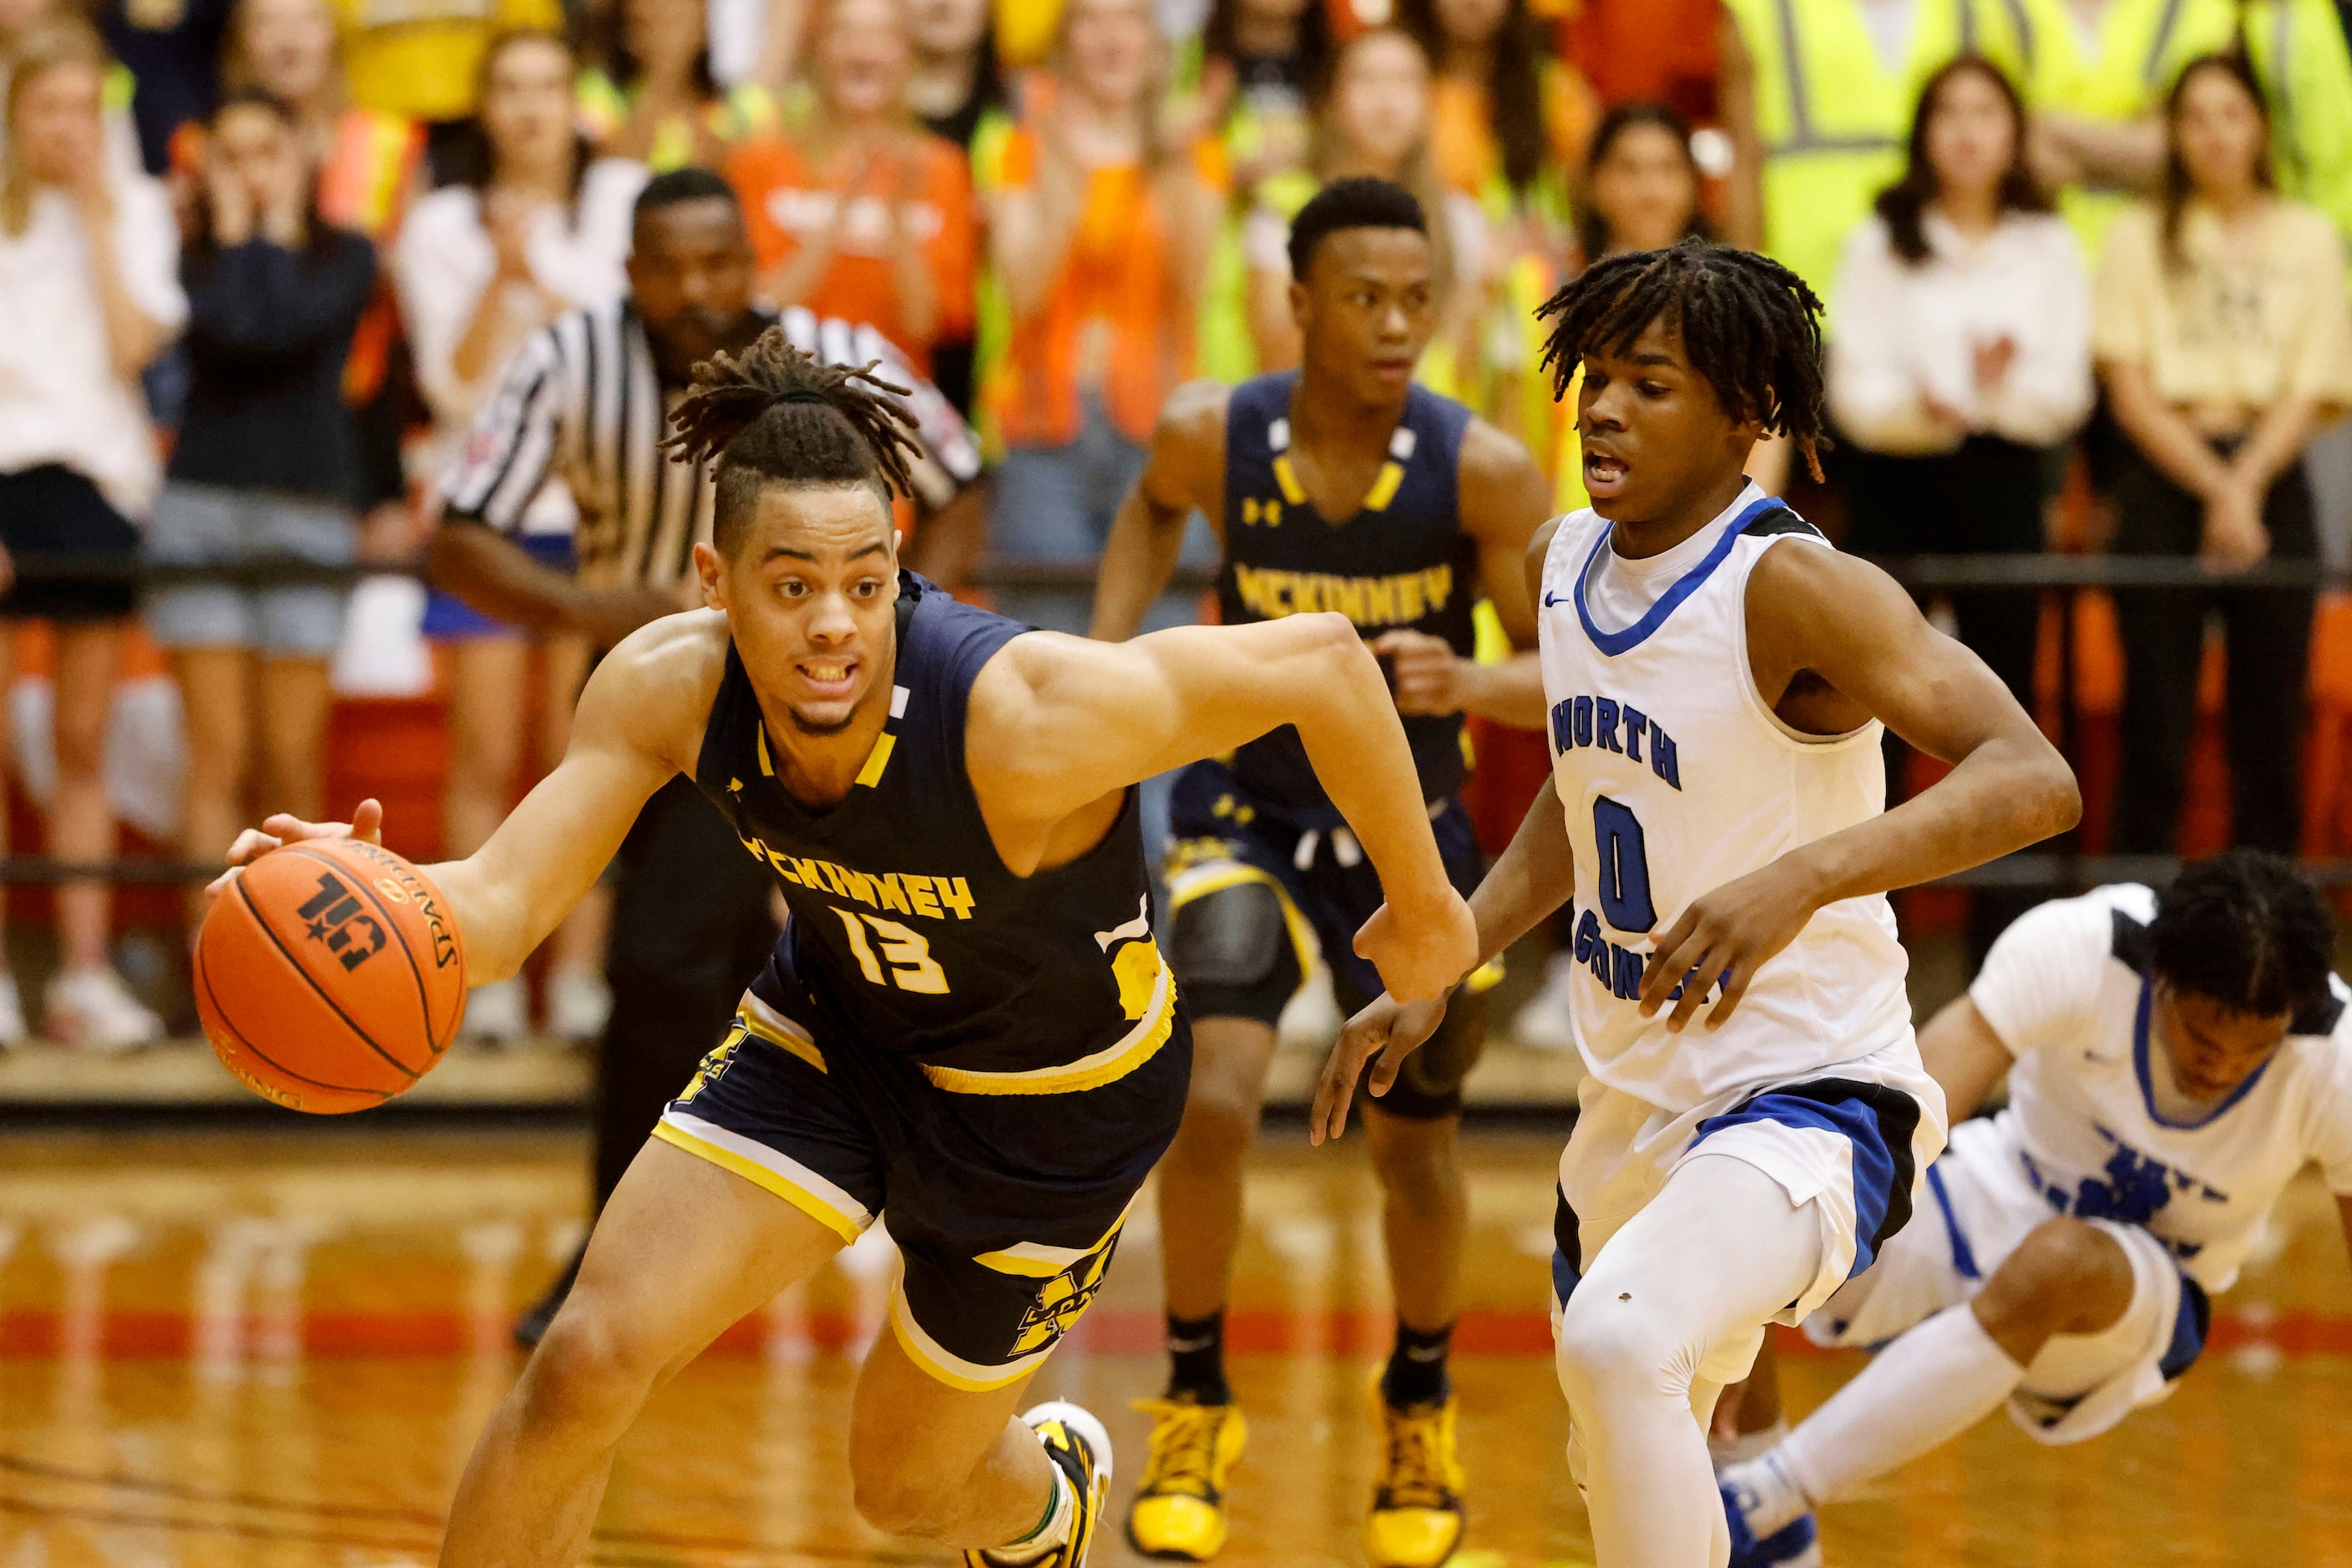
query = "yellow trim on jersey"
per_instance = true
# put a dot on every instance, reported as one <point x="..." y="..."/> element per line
<point x="1385" y="486"/>
<point x="878" y="759"/>
<point x="1215" y="876"/>
<point x="1287" y="478"/>
<point x="760" y="732"/>
<point x="1035" y="1260"/>
<point x="764" y="1168"/>
<point x="1113" y="1062"/>
<point x="945" y="1364"/>
<point x="759" y="1019"/>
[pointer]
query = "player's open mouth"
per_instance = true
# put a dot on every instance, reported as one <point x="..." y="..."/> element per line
<point x="1604" y="474"/>
<point x="828" y="677"/>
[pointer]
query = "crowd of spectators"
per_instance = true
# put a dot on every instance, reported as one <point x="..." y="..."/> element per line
<point x="265" y="263"/>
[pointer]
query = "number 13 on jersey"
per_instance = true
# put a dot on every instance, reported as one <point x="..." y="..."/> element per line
<point x="905" y="958"/>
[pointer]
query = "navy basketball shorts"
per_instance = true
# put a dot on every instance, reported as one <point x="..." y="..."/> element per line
<point x="1257" y="895"/>
<point x="1006" y="1207"/>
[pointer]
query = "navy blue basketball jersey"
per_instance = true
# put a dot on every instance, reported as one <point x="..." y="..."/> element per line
<point x="907" y="929"/>
<point x="1402" y="561"/>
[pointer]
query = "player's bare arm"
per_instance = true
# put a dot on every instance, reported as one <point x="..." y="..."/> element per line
<point x="1832" y="642"/>
<point x="1503" y="499"/>
<point x="1060" y="725"/>
<point x="1534" y="876"/>
<point x="1963" y="1055"/>
<point x="639" y="721"/>
<point x="1184" y="470"/>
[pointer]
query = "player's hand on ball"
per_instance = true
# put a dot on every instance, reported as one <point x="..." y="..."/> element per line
<point x="1422" y="952"/>
<point x="1723" y="938"/>
<point x="277" y="832"/>
<point x="1387" y="1029"/>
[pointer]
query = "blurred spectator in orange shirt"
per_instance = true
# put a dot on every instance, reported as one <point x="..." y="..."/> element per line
<point x="861" y="213"/>
<point x="1504" y="104"/>
<point x="1641" y="184"/>
<point x="1102" y="235"/>
<point x="956" y="79"/>
<point x="1655" y="51"/>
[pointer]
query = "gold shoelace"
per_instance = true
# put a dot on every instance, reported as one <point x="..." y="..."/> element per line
<point x="1183" y="1448"/>
<point x="1416" y="1479"/>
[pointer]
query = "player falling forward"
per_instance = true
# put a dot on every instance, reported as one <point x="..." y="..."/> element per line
<point x="1343" y="486"/>
<point x="966" y="1022"/>
<point x="2173" y="1061"/>
<point x="1717" y="678"/>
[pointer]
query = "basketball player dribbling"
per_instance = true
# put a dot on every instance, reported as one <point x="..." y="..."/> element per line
<point x="966" y="1022"/>
<point x="1718" y="677"/>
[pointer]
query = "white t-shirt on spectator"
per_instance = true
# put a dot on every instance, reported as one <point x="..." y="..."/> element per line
<point x="2093" y="1121"/>
<point x="60" y="399"/>
<point x="1901" y="332"/>
<point x="443" y="260"/>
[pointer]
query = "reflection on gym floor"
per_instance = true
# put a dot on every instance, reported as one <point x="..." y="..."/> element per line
<point x="245" y="1350"/>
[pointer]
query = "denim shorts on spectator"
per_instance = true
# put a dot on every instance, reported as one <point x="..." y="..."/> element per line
<point x="210" y="525"/>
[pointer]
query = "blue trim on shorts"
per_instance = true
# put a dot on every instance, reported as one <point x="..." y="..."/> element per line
<point x="2189" y="1327"/>
<point x="1877" y="1119"/>
<point x="1964" y="1258"/>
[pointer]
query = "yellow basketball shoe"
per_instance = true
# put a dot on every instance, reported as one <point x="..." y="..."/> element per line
<point x="1417" y="1516"/>
<point x="1080" y="1448"/>
<point x="1179" y="1508"/>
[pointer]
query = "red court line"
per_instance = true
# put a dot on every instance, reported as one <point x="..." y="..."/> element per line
<point x="40" y="1334"/>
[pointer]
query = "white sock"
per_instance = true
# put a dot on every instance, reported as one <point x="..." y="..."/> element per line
<point x="1049" y="1537"/>
<point x="1928" y="1387"/>
<point x="1766" y="1498"/>
<point x="1737" y="1450"/>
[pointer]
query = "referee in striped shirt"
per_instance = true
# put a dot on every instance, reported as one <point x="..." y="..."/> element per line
<point x="587" y="400"/>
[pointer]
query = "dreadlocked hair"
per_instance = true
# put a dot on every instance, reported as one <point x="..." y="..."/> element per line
<point x="1749" y="326"/>
<point x="775" y="416"/>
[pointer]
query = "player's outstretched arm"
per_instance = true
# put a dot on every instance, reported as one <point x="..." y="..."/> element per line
<point x="1836" y="638"/>
<point x="636" y="725"/>
<point x="1060" y="723"/>
<point x="1183" y="470"/>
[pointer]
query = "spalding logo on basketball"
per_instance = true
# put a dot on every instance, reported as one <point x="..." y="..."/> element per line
<point x="330" y="975"/>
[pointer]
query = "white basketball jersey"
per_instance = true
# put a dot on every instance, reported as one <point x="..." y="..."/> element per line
<point x="1676" y="778"/>
<point x="2066" y="990"/>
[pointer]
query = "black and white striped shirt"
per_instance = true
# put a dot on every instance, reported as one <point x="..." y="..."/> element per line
<point x="583" y="402"/>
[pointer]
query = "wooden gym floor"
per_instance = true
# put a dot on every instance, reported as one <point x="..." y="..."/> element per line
<point x="244" y="1349"/>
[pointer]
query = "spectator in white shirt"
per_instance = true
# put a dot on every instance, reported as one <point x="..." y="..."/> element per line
<point x="536" y="226"/>
<point x="1961" y="352"/>
<point x="89" y="294"/>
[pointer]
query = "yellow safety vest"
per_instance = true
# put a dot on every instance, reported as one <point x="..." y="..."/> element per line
<point x="2140" y="48"/>
<point x="2300" y="52"/>
<point x="1834" y="120"/>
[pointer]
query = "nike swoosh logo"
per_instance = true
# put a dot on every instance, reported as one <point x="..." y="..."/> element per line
<point x="1550" y="600"/>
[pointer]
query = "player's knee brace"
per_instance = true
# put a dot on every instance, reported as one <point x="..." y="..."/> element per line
<point x="1231" y="953"/>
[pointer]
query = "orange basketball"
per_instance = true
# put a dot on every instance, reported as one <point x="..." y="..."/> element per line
<point x="330" y="975"/>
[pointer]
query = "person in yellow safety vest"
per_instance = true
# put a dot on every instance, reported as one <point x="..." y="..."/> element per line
<point x="1818" y="95"/>
<point x="2301" y="52"/>
<point x="2099" y="75"/>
